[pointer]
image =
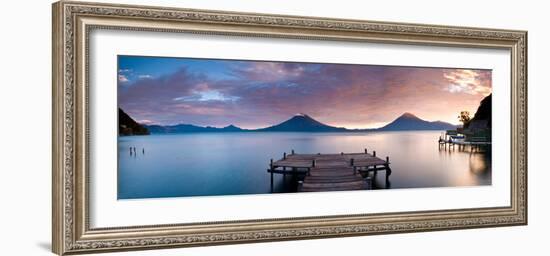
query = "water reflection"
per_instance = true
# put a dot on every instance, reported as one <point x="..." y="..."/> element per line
<point x="478" y="159"/>
<point x="236" y="163"/>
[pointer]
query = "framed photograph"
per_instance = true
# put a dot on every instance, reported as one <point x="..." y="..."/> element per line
<point x="178" y="127"/>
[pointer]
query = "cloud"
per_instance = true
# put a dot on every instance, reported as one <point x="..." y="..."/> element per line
<point x="179" y="97"/>
<point x="468" y="81"/>
<point x="208" y="95"/>
<point x="259" y="94"/>
<point x="264" y="71"/>
<point x="124" y="75"/>
<point x="145" y="121"/>
<point x="145" y="76"/>
<point x="122" y="78"/>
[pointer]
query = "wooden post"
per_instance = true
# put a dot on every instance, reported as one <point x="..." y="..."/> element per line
<point x="292" y="151"/>
<point x="366" y="151"/>
<point x="374" y="153"/>
<point x="388" y="171"/>
<point x="271" y="168"/>
<point x="313" y="163"/>
<point x="351" y="162"/>
<point x="284" y="155"/>
<point x="369" y="182"/>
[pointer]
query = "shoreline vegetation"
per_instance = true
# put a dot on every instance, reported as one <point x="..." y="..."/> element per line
<point x="475" y="131"/>
<point x="303" y="123"/>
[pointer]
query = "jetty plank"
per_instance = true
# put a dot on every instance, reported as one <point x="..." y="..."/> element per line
<point x="331" y="172"/>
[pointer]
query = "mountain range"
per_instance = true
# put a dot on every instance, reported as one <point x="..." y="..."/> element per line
<point x="304" y="123"/>
<point x="185" y="128"/>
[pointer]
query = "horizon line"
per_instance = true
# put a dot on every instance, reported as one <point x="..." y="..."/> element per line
<point x="302" y="114"/>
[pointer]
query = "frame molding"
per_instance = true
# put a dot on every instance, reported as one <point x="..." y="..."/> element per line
<point x="72" y="22"/>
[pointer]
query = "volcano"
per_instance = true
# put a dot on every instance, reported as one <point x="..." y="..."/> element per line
<point x="408" y="122"/>
<point x="302" y="123"/>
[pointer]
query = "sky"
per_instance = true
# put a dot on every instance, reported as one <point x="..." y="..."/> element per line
<point x="257" y="94"/>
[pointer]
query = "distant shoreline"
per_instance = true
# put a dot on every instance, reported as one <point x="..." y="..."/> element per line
<point x="304" y="123"/>
<point x="314" y="132"/>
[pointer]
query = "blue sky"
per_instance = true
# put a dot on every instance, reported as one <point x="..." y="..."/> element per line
<point x="254" y="94"/>
<point x="135" y="67"/>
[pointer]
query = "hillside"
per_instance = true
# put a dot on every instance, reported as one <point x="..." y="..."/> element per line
<point x="483" y="111"/>
<point x="128" y="126"/>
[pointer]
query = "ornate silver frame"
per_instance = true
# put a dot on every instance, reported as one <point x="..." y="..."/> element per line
<point x="72" y="21"/>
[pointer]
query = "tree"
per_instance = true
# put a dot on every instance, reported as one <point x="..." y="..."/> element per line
<point x="464" y="118"/>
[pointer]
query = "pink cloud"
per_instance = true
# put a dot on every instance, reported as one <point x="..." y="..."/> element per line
<point x="122" y="78"/>
<point x="264" y="93"/>
<point x="468" y="81"/>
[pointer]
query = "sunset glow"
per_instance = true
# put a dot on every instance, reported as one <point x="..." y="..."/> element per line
<point x="255" y="94"/>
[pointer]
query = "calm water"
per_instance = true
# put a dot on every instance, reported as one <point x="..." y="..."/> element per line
<point x="236" y="163"/>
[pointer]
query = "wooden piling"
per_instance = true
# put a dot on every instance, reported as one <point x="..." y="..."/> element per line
<point x="271" y="171"/>
<point x="330" y="172"/>
<point x="388" y="171"/>
<point x="369" y="182"/>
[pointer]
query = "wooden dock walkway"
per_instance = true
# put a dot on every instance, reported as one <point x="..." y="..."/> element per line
<point x="452" y="139"/>
<point x="331" y="172"/>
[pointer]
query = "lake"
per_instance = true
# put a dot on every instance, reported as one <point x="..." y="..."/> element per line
<point x="206" y="164"/>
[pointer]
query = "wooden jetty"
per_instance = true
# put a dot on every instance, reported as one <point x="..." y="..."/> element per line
<point x="331" y="172"/>
<point x="452" y="138"/>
